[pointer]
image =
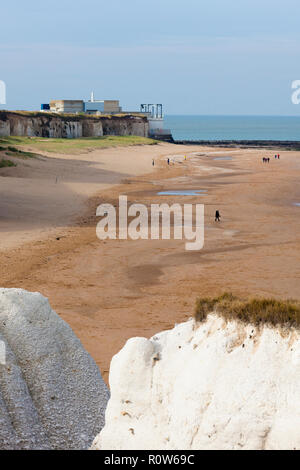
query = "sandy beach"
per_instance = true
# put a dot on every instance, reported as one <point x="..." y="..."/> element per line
<point x="109" y="291"/>
<point x="50" y="191"/>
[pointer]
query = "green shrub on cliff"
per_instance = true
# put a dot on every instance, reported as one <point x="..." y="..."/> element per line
<point x="13" y="152"/>
<point x="6" y="163"/>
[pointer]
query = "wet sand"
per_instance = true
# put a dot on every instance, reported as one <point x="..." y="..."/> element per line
<point x="109" y="291"/>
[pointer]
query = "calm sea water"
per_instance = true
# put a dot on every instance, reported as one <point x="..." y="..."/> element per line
<point x="233" y="127"/>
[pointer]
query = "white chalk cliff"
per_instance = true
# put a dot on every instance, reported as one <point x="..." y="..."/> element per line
<point x="52" y="395"/>
<point x="213" y="385"/>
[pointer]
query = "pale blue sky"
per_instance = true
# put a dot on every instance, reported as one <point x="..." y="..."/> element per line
<point x="195" y="57"/>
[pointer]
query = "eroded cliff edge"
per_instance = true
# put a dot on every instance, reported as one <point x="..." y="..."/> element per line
<point x="52" y="395"/>
<point x="69" y="125"/>
<point x="218" y="384"/>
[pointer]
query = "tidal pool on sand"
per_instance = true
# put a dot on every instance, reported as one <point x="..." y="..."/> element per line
<point x="183" y="192"/>
<point x="223" y="158"/>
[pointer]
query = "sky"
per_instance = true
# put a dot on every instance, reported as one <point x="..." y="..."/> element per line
<point x="194" y="56"/>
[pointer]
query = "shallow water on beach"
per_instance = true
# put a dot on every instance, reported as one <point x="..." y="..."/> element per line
<point x="223" y="158"/>
<point x="184" y="192"/>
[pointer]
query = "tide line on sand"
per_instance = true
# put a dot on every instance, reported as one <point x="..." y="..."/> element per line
<point x="184" y="192"/>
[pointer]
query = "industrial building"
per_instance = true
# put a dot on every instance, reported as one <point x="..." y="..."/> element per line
<point x="101" y="106"/>
<point x="154" y="113"/>
<point x="80" y="106"/>
<point x="67" y="106"/>
<point x="155" y="117"/>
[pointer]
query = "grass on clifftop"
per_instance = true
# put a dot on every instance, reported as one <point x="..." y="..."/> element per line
<point x="79" y="145"/>
<point x="254" y="311"/>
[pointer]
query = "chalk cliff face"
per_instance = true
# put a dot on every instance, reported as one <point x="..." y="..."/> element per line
<point x="52" y="395"/>
<point x="213" y="385"/>
<point x="70" y="126"/>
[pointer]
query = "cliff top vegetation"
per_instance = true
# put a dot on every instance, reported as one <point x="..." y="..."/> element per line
<point x="252" y="310"/>
<point x="82" y="144"/>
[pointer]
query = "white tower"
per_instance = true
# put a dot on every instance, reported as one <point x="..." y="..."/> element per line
<point x="92" y="97"/>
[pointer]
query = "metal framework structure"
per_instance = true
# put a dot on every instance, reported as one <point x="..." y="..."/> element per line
<point x="155" y="110"/>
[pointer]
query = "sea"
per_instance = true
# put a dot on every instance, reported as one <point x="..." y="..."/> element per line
<point x="233" y="127"/>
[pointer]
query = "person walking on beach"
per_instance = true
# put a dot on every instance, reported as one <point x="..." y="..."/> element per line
<point x="153" y="162"/>
<point x="217" y="216"/>
<point x="168" y="161"/>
